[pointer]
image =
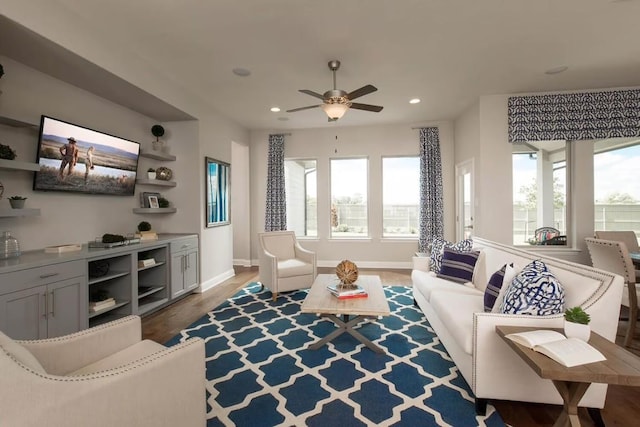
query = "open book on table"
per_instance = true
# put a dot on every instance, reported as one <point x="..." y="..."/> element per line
<point x="566" y="351"/>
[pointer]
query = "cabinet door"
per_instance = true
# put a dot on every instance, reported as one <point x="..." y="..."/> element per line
<point x="191" y="270"/>
<point x="178" y="263"/>
<point x="23" y="314"/>
<point x="67" y="309"/>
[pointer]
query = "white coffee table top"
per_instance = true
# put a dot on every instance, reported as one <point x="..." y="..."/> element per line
<point x="320" y="300"/>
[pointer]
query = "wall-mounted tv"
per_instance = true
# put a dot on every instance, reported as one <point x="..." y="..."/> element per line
<point x="77" y="159"/>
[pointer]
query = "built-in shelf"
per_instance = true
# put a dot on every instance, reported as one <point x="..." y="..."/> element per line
<point x="157" y="182"/>
<point x="154" y="210"/>
<point x="157" y="155"/>
<point x="10" y="212"/>
<point x="151" y="291"/>
<point x="105" y="310"/>
<point x="112" y="275"/>
<point x="16" y="123"/>
<point x="16" y="165"/>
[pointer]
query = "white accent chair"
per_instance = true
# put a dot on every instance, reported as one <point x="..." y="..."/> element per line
<point x="284" y="264"/>
<point x="102" y="376"/>
<point x="613" y="256"/>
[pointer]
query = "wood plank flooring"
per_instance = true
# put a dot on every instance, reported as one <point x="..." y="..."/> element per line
<point x="622" y="407"/>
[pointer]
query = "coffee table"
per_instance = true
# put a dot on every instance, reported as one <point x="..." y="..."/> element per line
<point x="621" y="367"/>
<point x="322" y="302"/>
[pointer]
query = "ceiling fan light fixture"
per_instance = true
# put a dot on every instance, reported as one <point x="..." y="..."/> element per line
<point x="335" y="111"/>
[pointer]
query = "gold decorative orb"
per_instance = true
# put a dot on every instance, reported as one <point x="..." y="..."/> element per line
<point x="347" y="272"/>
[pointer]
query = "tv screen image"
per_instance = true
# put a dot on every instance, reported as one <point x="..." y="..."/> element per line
<point x="74" y="158"/>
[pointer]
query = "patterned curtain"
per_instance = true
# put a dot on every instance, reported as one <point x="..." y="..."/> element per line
<point x="574" y="116"/>
<point x="431" y="206"/>
<point x="276" y="207"/>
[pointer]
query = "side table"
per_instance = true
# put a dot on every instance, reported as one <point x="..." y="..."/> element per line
<point x="621" y="368"/>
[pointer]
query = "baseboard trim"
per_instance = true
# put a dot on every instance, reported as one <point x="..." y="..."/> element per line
<point x="242" y="262"/>
<point x="205" y="286"/>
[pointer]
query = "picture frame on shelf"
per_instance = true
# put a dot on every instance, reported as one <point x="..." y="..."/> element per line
<point x="153" y="202"/>
<point x="144" y="198"/>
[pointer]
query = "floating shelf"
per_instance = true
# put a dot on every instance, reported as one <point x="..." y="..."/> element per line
<point x="16" y="165"/>
<point x="9" y="212"/>
<point x="158" y="156"/>
<point x="154" y="210"/>
<point x="157" y="182"/>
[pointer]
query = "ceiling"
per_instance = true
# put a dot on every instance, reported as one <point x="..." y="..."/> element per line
<point x="445" y="52"/>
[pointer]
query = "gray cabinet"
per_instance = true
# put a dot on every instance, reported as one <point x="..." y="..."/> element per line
<point x="184" y="266"/>
<point x="44" y="302"/>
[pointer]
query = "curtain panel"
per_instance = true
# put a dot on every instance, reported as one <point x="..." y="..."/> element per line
<point x="276" y="203"/>
<point x="574" y="116"/>
<point x="431" y="205"/>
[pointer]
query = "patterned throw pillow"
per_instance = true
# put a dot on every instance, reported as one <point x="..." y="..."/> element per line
<point x="534" y="291"/>
<point x="458" y="265"/>
<point x="493" y="288"/>
<point x="438" y="246"/>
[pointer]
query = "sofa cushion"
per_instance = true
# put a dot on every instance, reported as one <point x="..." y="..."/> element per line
<point x="456" y="311"/>
<point x="458" y="265"/>
<point x="438" y="246"/>
<point x="121" y="358"/>
<point x="534" y="291"/>
<point x="492" y="290"/>
<point x="427" y="282"/>
<point x="510" y="273"/>
<point x="294" y="267"/>
<point x="20" y="353"/>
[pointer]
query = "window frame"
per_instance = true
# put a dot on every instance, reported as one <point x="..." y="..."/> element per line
<point x="382" y="217"/>
<point x="305" y="159"/>
<point x="368" y="198"/>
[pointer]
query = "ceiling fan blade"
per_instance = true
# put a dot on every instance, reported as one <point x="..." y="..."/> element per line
<point x="303" y="108"/>
<point x="364" y="90"/>
<point x="366" y="107"/>
<point x="312" y="93"/>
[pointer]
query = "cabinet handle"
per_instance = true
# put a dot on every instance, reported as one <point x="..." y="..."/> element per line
<point x="186" y="258"/>
<point x="45" y="312"/>
<point x="183" y="263"/>
<point x="53" y="304"/>
<point x="44" y="276"/>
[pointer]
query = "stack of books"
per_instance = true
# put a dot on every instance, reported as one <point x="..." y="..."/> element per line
<point x="347" y="293"/>
<point x="101" y="305"/>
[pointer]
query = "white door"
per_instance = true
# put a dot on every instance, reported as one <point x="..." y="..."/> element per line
<point x="464" y="200"/>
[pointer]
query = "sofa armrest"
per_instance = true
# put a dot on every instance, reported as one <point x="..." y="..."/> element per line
<point x="267" y="268"/>
<point x="61" y="355"/>
<point x="165" y="388"/>
<point x="305" y="255"/>
<point x="422" y="263"/>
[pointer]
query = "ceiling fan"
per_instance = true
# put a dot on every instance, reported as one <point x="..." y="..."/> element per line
<point x="336" y="102"/>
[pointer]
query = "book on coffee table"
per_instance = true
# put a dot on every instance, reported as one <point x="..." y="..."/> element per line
<point x="345" y="293"/>
<point x="566" y="351"/>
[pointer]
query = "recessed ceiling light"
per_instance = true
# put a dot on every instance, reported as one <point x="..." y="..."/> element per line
<point x="557" y="70"/>
<point x="414" y="101"/>
<point x="275" y="109"/>
<point x="242" y="72"/>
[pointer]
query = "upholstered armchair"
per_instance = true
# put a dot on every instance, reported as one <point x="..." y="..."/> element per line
<point x="102" y="376"/>
<point x="613" y="256"/>
<point x="284" y="264"/>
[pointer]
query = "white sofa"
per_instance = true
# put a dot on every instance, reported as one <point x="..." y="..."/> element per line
<point x="490" y="367"/>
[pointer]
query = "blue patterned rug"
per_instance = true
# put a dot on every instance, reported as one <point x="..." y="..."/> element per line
<point x="261" y="373"/>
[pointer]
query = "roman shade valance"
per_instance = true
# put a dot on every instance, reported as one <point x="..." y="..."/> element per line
<point x="574" y="116"/>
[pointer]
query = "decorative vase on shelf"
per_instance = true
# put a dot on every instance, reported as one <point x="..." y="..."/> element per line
<point x="151" y="175"/>
<point x="17" y="203"/>
<point x="577" y="330"/>
<point x="9" y="246"/>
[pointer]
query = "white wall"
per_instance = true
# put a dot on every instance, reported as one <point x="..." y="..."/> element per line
<point x="372" y="142"/>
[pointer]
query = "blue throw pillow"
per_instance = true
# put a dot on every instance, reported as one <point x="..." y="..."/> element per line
<point x="458" y="265"/>
<point x="493" y="288"/>
<point x="438" y="246"/>
<point x="534" y="291"/>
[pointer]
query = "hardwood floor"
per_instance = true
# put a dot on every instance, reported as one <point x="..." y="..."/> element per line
<point x="622" y="406"/>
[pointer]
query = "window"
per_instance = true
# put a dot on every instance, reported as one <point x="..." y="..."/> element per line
<point x="349" y="198"/>
<point x="400" y="196"/>
<point x="302" y="203"/>
<point x="539" y="188"/>
<point x="616" y="185"/>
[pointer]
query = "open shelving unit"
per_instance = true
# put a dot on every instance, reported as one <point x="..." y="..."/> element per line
<point x="152" y="290"/>
<point x="116" y="283"/>
<point x="154" y="210"/>
<point x="158" y="155"/>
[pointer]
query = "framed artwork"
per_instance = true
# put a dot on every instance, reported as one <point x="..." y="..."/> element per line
<point x="153" y="202"/>
<point x="217" y="192"/>
<point x="145" y="198"/>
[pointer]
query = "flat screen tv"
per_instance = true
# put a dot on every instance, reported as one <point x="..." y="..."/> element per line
<point x="77" y="159"/>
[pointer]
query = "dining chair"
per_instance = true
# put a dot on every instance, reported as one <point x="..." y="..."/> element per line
<point x="613" y="256"/>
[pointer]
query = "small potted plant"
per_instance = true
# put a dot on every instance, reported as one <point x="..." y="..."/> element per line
<point x="17" y="202"/>
<point x="163" y="203"/>
<point x="151" y="173"/>
<point x="576" y="323"/>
